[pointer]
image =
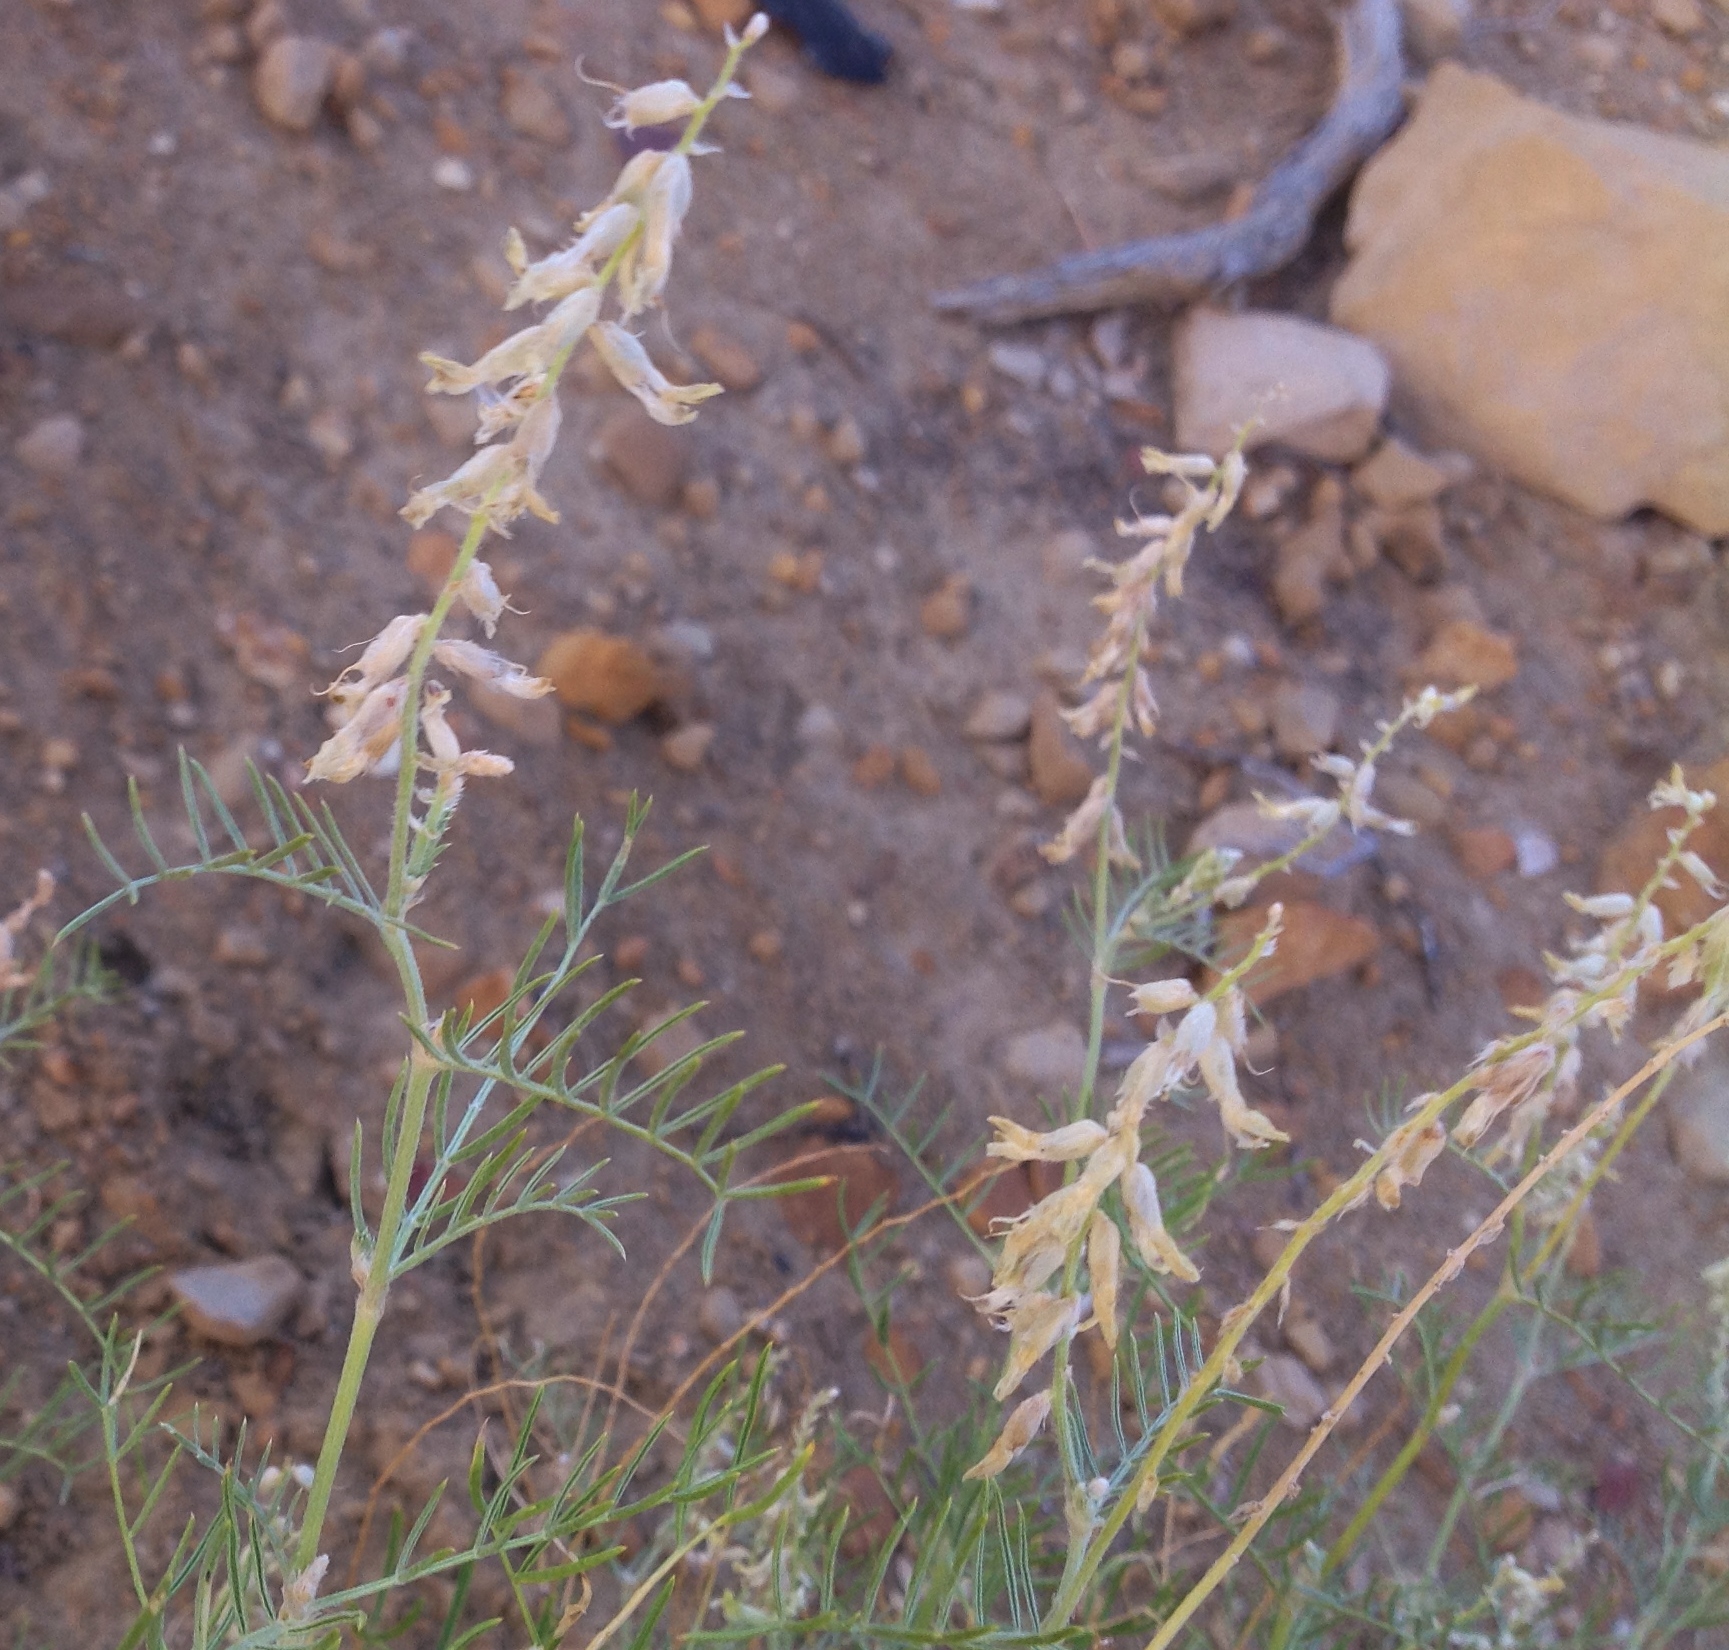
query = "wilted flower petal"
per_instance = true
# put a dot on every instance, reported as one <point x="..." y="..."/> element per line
<point x="1104" y="1269"/>
<point x="479" y="593"/>
<point x="665" y="203"/>
<point x="481" y="664"/>
<point x="1035" y="1326"/>
<point x="1411" y="1150"/>
<point x="575" y="266"/>
<point x="1156" y="1246"/>
<point x="1249" y="1128"/>
<point x="666" y="402"/>
<point x="1018" y="1431"/>
<point x="1064" y="1145"/>
<point x="365" y="740"/>
<point x="13" y="978"/>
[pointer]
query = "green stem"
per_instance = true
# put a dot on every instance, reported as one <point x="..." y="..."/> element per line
<point x="1515" y="1395"/>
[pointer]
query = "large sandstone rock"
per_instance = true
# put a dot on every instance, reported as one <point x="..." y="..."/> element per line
<point x="1553" y="293"/>
<point x="1306" y="386"/>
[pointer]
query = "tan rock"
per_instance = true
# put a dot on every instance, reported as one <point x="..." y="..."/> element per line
<point x="1306" y="560"/>
<point x="292" y="79"/>
<point x="431" y="555"/>
<point x="947" y="612"/>
<point x="999" y="715"/>
<point x="1436" y="28"/>
<point x="733" y="365"/>
<point x="1550" y="291"/>
<point x="53" y="446"/>
<point x="608" y="677"/>
<point x="1316" y="943"/>
<point x="531" y="109"/>
<point x="1312" y="387"/>
<point x="719" y="14"/>
<point x="1413" y="538"/>
<point x="1484" y="851"/>
<point x="1305" y="718"/>
<point x="1396" y="476"/>
<point x="1061" y="775"/>
<point x="1678" y="17"/>
<point x="919" y="773"/>
<point x="686" y="748"/>
<point x="1465" y="653"/>
<point x="647" y="459"/>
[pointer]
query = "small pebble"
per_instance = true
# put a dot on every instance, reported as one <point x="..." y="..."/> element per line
<point x="1060" y="772"/>
<point x="1697" y="1108"/>
<point x="946" y="613"/>
<point x="1051" y="1058"/>
<point x="969" y="1276"/>
<point x="1310" y="1342"/>
<point x="609" y="677"/>
<point x="1285" y="1381"/>
<point x="733" y="365"/>
<point x="53" y="446"/>
<point x="686" y="748"/>
<point x="452" y="172"/>
<point x="999" y="716"/>
<point x="292" y="79"/>
<point x="1535" y="853"/>
<point x="1023" y="363"/>
<point x="819" y="728"/>
<point x="719" y="1314"/>
<point x="239" y="1304"/>
<point x="919" y="773"/>
<point x="1305" y="718"/>
<point x="647" y="459"/>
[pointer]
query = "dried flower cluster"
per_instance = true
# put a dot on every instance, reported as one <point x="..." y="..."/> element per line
<point x="13" y="977"/>
<point x="1121" y="690"/>
<point x="385" y="703"/>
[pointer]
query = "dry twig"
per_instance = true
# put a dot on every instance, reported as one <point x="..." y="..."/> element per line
<point x="1274" y="229"/>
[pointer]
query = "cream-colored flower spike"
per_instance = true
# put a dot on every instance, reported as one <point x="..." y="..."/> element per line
<point x="575" y="266"/>
<point x="1104" y="1271"/>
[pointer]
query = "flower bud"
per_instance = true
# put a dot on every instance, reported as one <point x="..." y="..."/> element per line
<point x="666" y="402"/>
<point x="1163" y="997"/>
<point x="653" y="105"/>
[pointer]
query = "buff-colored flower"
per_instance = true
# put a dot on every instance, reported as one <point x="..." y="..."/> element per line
<point x="1411" y="1149"/>
<point x="366" y="741"/>
<point x="574" y="267"/>
<point x="665" y="203"/>
<point x="665" y="402"/>
<point x="1064" y="1145"/>
<point x="1035" y="1324"/>
<point x="1019" y="1430"/>
<point x="654" y="105"/>
<point x="12" y="977"/>
<point x="493" y="670"/>
<point x="1104" y="1270"/>
<point x="1157" y="1248"/>
<point x="1163" y="997"/>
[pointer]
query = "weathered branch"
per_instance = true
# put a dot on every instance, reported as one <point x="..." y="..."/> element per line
<point x="1275" y="228"/>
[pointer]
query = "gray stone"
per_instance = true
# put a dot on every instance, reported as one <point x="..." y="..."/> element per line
<point x="1697" y="1108"/>
<point x="718" y="1314"/>
<point x="1051" y="1058"/>
<point x="292" y="80"/>
<point x="239" y="1304"/>
<point x="53" y="446"/>
<point x="1313" y="388"/>
<point x="1024" y="363"/>
<point x="1305" y="718"/>
<point x="1286" y="1381"/>
<point x="998" y="716"/>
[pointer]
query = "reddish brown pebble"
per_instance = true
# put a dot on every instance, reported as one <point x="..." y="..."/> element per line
<point x="1484" y="852"/>
<point x="860" y="1179"/>
<point x="895" y="1362"/>
<point x="647" y="459"/>
<point x="802" y="338"/>
<point x="1061" y="774"/>
<point x="690" y="974"/>
<point x="431" y="555"/>
<point x="1464" y="653"/>
<point x="586" y="734"/>
<point x="609" y="677"/>
<point x="947" y="611"/>
<point x="1315" y="943"/>
<point x="630" y="953"/>
<point x="764" y="946"/>
<point x="874" y="767"/>
<point x="919" y="772"/>
<point x="733" y="366"/>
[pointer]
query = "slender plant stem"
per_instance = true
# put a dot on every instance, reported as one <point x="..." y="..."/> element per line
<point x="1486" y="1231"/>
